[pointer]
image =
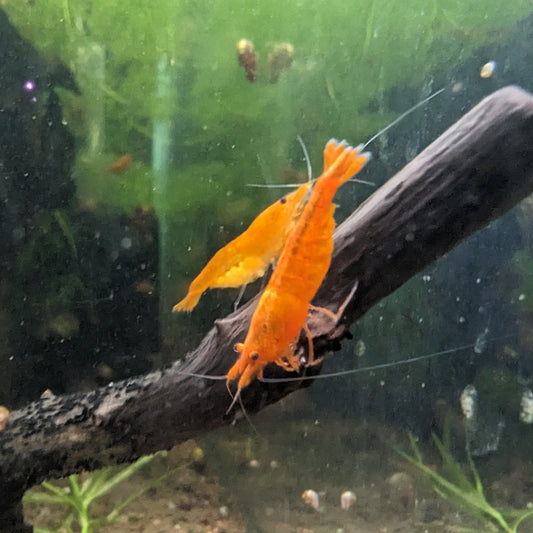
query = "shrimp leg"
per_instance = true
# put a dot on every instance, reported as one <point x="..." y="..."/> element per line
<point x="239" y="297"/>
<point x="335" y="317"/>
<point x="293" y="360"/>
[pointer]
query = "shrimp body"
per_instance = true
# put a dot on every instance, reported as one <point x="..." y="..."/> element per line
<point x="302" y="265"/>
<point x="247" y="257"/>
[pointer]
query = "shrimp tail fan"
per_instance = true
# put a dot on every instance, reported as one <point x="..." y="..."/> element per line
<point x="188" y="303"/>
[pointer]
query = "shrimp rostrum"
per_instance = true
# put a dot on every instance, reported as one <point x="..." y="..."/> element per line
<point x="302" y="265"/>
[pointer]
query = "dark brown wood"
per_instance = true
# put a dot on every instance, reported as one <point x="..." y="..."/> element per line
<point x="477" y="170"/>
<point x="472" y="174"/>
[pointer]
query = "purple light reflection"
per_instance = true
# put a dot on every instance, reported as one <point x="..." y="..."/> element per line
<point x="29" y="86"/>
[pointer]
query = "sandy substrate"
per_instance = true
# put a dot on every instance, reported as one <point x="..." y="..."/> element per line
<point x="242" y="479"/>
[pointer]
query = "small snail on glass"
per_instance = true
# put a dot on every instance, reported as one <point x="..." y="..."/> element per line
<point x="247" y="58"/>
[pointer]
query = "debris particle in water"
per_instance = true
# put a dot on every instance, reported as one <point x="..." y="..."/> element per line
<point x="120" y="165"/>
<point x="481" y="342"/>
<point x="487" y="70"/>
<point x="402" y="490"/>
<point x="247" y="58"/>
<point x="457" y="87"/>
<point x="4" y="417"/>
<point x="348" y="498"/>
<point x="469" y="402"/>
<point x="310" y="497"/>
<point x="146" y="287"/>
<point x="280" y="58"/>
<point x="360" y="348"/>
<point x="526" y="407"/>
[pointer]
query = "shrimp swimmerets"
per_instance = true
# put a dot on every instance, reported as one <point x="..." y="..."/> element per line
<point x="302" y="265"/>
<point x="247" y="257"/>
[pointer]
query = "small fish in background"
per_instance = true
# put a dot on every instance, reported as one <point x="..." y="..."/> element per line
<point x="469" y="402"/>
<point x="247" y="58"/>
<point x="120" y="165"/>
<point x="487" y="70"/>
<point x="4" y="417"/>
<point x="526" y="407"/>
<point x="280" y="58"/>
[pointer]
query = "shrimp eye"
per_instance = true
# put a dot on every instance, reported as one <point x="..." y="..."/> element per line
<point x="283" y="200"/>
<point x="254" y="356"/>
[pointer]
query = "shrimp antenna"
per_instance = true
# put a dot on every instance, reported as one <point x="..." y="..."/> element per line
<point x="307" y="160"/>
<point x="373" y="367"/>
<point x="361" y="148"/>
<point x="202" y="376"/>
<point x="448" y="351"/>
<point x="238" y="398"/>
<point x="401" y="117"/>
<point x="274" y="185"/>
<point x="235" y="399"/>
<point x="288" y="185"/>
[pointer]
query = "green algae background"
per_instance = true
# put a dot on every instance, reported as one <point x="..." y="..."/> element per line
<point x="161" y="81"/>
<point x="346" y="53"/>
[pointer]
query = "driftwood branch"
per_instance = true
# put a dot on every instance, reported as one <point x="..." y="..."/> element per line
<point x="477" y="170"/>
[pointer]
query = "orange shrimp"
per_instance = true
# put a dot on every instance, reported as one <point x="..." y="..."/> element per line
<point x="302" y="265"/>
<point x="247" y="257"/>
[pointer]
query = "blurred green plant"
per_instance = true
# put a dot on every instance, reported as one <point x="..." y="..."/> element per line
<point x="79" y="496"/>
<point x="338" y="76"/>
<point x="161" y="81"/>
<point x="463" y="491"/>
<point x="47" y="268"/>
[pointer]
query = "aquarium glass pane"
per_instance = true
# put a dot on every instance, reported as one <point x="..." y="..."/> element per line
<point x="139" y="138"/>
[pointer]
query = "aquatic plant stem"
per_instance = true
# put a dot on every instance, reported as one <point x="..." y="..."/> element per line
<point x="66" y="15"/>
<point x="96" y="485"/>
<point x="161" y="139"/>
<point x="461" y="491"/>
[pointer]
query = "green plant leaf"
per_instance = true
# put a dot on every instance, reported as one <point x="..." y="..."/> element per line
<point x="105" y="487"/>
<point x="460" y="491"/>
